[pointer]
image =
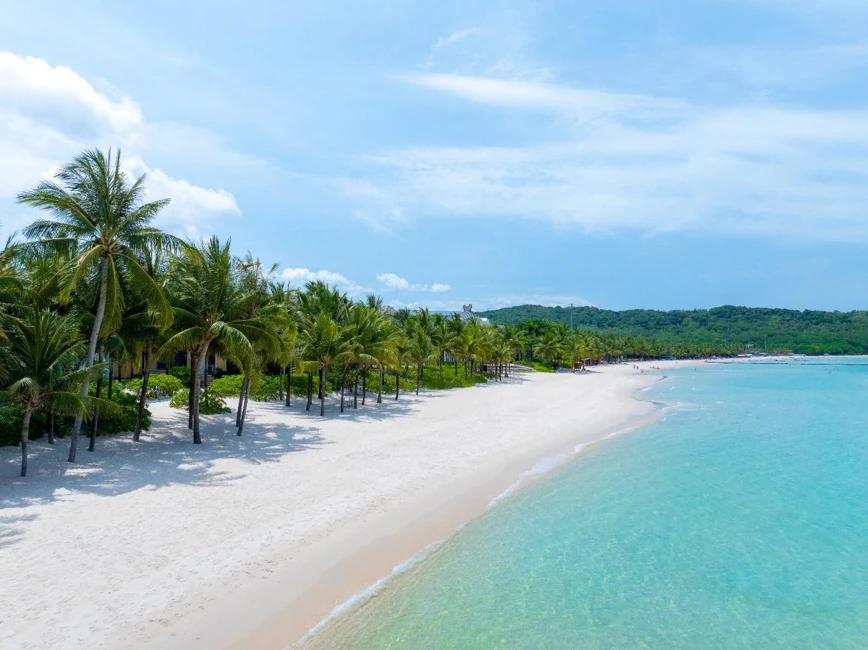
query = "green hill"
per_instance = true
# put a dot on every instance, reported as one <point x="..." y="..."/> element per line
<point x="808" y="332"/>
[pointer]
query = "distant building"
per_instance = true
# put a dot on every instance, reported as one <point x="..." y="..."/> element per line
<point x="467" y="314"/>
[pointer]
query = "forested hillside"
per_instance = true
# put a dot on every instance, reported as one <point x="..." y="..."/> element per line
<point x="808" y="332"/>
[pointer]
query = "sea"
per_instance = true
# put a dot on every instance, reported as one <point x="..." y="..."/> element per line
<point x="737" y="520"/>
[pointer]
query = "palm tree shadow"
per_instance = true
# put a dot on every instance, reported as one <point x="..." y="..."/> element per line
<point x="165" y="456"/>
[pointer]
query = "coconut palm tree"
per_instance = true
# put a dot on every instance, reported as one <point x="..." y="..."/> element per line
<point x="324" y="344"/>
<point x="421" y="351"/>
<point x="42" y="358"/>
<point x="211" y="306"/>
<point x="100" y="223"/>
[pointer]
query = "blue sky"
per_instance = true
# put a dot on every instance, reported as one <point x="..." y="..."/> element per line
<point x="619" y="153"/>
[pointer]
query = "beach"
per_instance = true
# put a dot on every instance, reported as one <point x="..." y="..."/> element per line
<point x="249" y="542"/>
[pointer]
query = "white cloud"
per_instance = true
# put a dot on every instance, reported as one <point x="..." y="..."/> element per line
<point x="542" y="96"/>
<point x="397" y="284"/>
<point x="300" y="276"/>
<point x="394" y="282"/>
<point x="49" y="113"/>
<point x="629" y="162"/>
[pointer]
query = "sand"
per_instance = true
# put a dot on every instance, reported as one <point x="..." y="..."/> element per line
<point x="248" y="542"/>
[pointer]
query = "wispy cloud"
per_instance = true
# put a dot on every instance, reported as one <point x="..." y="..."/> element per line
<point x="454" y="37"/>
<point x="645" y="163"/>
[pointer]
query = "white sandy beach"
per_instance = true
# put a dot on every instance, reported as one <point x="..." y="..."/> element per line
<point x="248" y="542"/>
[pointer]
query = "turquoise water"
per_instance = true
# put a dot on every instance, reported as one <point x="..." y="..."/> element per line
<point x="738" y="521"/>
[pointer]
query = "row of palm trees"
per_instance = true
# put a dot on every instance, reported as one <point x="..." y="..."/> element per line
<point x="94" y="283"/>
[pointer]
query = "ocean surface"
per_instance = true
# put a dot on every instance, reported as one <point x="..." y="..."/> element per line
<point x="740" y="520"/>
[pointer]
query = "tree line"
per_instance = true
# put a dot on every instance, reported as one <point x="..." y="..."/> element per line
<point x="772" y="330"/>
<point x="93" y="286"/>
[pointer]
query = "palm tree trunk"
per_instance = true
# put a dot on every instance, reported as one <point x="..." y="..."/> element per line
<point x="146" y="374"/>
<point x="197" y="438"/>
<point x="380" y="385"/>
<point x="364" y="385"/>
<point x="343" y="387"/>
<point x="356" y="389"/>
<point x="91" y="352"/>
<point x="245" y="396"/>
<point x="94" y="422"/>
<point x="51" y="427"/>
<point x="190" y="396"/>
<point x="244" y="383"/>
<point x="309" y="390"/>
<point x="418" y="377"/>
<point x="111" y="375"/>
<point x="25" y="435"/>
<point x="289" y="385"/>
<point x="397" y="383"/>
<point x="280" y="384"/>
<point x="322" y="374"/>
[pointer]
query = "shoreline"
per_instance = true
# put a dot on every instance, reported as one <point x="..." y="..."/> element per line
<point x="250" y="543"/>
<point x="333" y="579"/>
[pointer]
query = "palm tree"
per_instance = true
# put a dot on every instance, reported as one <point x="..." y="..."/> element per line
<point x="211" y="306"/>
<point x="324" y="345"/>
<point x="421" y="351"/>
<point x="43" y="355"/>
<point x="100" y="223"/>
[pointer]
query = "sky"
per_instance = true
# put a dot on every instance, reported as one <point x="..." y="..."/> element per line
<point x="620" y="153"/>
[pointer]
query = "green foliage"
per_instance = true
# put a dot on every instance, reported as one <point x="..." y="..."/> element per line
<point x="263" y="388"/>
<point x="209" y="403"/>
<point x="123" y="419"/>
<point x="537" y="365"/>
<point x="169" y="385"/>
<point x="120" y="420"/>
<point x="218" y="373"/>
<point x="806" y="332"/>
<point x="182" y="373"/>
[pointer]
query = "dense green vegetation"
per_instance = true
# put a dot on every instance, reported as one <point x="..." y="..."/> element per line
<point x="805" y="332"/>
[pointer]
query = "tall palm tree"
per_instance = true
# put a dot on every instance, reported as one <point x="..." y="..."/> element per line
<point x="43" y="356"/>
<point x="211" y="306"/>
<point x="324" y="345"/>
<point x="100" y="223"/>
<point x="421" y="351"/>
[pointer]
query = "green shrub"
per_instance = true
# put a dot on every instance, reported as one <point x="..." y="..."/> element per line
<point x="209" y="403"/>
<point x="218" y="372"/>
<point x="119" y="420"/>
<point x="168" y="384"/>
<point x="263" y="388"/>
<point x="182" y="373"/>
<point x="536" y="365"/>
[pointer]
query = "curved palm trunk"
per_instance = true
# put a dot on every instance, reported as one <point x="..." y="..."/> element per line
<point x="91" y="352"/>
<point x="322" y="375"/>
<point x="244" y="386"/>
<point x="25" y="436"/>
<point x="197" y="438"/>
<point x="146" y="375"/>
<point x="94" y="422"/>
<point x="246" y="397"/>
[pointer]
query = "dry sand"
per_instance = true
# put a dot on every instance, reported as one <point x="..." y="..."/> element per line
<point x="249" y="542"/>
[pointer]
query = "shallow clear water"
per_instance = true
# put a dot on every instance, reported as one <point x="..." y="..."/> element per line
<point x="738" y="521"/>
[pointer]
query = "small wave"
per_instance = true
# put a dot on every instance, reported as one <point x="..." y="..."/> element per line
<point x="365" y="593"/>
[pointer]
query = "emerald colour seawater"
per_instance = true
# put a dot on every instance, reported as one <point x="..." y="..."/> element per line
<point x="738" y="521"/>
